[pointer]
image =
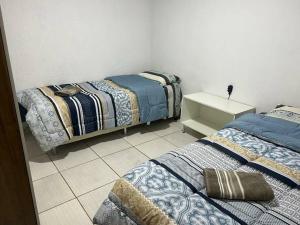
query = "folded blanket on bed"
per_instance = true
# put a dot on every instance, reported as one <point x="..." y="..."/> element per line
<point x="162" y="78"/>
<point x="150" y="94"/>
<point x="237" y="185"/>
<point x="171" y="85"/>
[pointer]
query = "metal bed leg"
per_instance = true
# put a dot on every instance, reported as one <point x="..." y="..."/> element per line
<point x="148" y="123"/>
<point x="125" y="130"/>
<point x="183" y="129"/>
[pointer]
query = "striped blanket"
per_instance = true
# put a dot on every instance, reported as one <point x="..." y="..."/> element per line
<point x="99" y="105"/>
<point x="171" y="190"/>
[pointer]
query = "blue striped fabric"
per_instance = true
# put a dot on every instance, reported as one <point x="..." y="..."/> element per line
<point x="85" y="110"/>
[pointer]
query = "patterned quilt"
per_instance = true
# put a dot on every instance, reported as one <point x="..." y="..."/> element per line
<point x="171" y="189"/>
<point x="54" y="120"/>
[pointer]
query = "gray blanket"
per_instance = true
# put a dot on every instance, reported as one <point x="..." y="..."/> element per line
<point x="151" y="96"/>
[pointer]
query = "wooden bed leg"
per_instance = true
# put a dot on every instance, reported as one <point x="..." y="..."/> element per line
<point x="148" y="123"/>
<point x="125" y="130"/>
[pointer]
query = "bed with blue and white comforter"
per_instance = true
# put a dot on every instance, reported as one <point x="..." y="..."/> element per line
<point x="116" y="101"/>
<point x="171" y="190"/>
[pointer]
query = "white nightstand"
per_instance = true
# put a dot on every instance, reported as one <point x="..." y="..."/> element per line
<point x="207" y="113"/>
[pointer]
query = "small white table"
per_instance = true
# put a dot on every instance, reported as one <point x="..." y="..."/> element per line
<point x="207" y="113"/>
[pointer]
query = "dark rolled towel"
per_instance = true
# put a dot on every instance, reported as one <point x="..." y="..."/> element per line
<point x="237" y="185"/>
<point x="68" y="91"/>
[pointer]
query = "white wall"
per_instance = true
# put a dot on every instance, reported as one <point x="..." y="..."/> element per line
<point x="254" y="44"/>
<point x="58" y="41"/>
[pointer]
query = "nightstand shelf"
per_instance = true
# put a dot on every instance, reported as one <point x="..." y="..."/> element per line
<point x="198" y="124"/>
<point x="206" y="113"/>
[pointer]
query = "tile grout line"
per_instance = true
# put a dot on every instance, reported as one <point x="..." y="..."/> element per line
<point x="101" y="157"/>
<point x="72" y="193"/>
<point x="135" y="146"/>
<point x="175" y="144"/>
<point x="85" y="141"/>
<point x="98" y="157"/>
<point x="56" y="206"/>
<point x="80" y="164"/>
<point x="171" y="143"/>
<point x="84" y="210"/>
<point x="143" y="153"/>
<point x="95" y="189"/>
<point x="142" y="142"/>
<point x="119" y="152"/>
<point x="45" y="176"/>
<point x="65" y="169"/>
<point x="76" y="197"/>
<point x="139" y="150"/>
<point x="111" y="153"/>
<point x="108" y="165"/>
<point x="158" y="137"/>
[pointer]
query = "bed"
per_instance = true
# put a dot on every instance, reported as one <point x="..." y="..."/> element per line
<point x="100" y="107"/>
<point x="171" y="189"/>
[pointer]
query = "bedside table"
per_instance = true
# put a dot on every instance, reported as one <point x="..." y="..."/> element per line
<point x="207" y="113"/>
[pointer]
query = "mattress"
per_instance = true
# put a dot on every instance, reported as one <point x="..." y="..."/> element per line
<point x="171" y="188"/>
<point x="100" y="105"/>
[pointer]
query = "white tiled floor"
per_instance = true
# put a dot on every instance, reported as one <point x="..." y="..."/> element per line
<point x="71" y="185"/>
<point x="92" y="200"/>
<point x="41" y="166"/>
<point x="51" y="191"/>
<point x="156" y="147"/>
<point x="125" y="160"/>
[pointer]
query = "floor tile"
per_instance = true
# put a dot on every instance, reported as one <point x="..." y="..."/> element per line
<point x="164" y="127"/>
<point x="51" y="191"/>
<point x="93" y="200"/>
<point x="41" y="166"/>
<point x="123" y="161"/>
<point x="89" y="176"/>
<point x="108" y="144"/>
<point x="71" y="155"/>
<point x="139" y="135"/>
<point x="156" y="148"/>
<point x="176" y="123"/>
<point x="69" y="213"/>
<point x="180" y="139"/>
<point x="194" y="133"/>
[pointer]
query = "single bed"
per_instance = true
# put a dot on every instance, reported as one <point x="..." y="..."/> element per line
<point x="116" y="102"/>
<point x="171" y="189"/>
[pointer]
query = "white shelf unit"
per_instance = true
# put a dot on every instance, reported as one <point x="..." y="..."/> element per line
<point x="206" y="113"/>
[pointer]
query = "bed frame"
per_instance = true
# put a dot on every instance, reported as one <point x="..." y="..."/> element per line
<point x="93" y="134"/>
<point x="98" y="133"/>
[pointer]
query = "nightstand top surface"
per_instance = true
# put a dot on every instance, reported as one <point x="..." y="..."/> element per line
<point x="219" y="103"/>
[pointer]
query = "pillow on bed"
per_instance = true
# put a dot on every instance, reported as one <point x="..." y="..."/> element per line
<point x="289" y="113"/>
<point x="162" y="78"/>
